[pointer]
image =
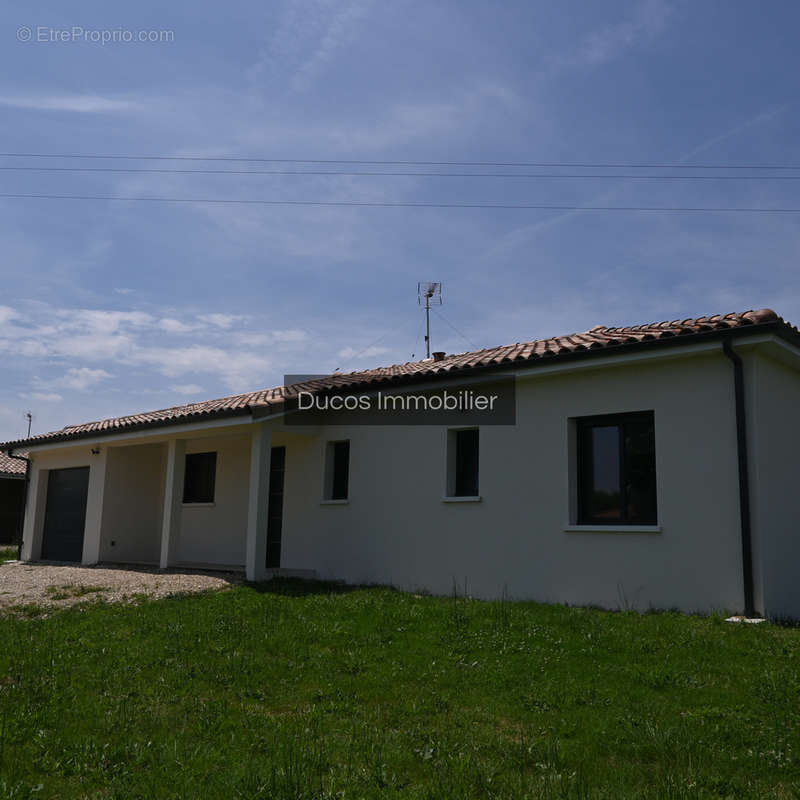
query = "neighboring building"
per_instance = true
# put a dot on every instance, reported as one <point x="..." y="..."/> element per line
<point x="12" y="495"/>
<point x="649" y="466"/>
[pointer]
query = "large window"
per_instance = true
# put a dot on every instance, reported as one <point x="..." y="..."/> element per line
<point x="463" y="463"/>
<point x="617" y="470"/>
<point x="200" y="478"/>
<point x="337" y="469"/>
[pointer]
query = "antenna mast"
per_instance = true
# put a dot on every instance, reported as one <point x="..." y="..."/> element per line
<point x="30" y="419"/>
<point x="431" y="292"/>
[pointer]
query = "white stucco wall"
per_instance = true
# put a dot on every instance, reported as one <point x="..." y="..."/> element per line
<point x="133" y="504"/>
<point x="216" y="534"/>
<point x="396" y="528"/>
<point x="774" y="442"/>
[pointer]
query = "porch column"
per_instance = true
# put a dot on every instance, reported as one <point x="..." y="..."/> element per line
<point x="33" y="525"/>
<point x="173" y="497"/>
<point x="94" y="507"/>
<point x="258" y="503"/>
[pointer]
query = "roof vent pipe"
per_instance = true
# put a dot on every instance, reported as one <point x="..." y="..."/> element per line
<point x="438" y="355"/>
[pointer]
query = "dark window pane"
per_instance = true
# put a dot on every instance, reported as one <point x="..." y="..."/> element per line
<point x="617" y="470"/>
<point x="466" y="464"/>
<point x="606" y="498"/>
<point x="341" y="470"/>
<point x="640" y="471"/>
<point x="277" y="471"/>
<point x="199" y="478"/>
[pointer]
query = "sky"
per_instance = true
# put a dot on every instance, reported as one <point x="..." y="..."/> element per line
<point x="110" y="307"/>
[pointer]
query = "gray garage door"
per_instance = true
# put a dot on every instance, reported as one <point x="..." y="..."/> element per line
<point x="65" y="514"/>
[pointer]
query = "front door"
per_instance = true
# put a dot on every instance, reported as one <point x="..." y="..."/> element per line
<point x="65" y="514"/>
<point x="277" y="470"/>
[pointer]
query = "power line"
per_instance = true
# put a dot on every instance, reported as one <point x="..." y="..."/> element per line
<point x="537" y="164"/>
<point x="378" y="204"/>
<point x="428" y="174"/>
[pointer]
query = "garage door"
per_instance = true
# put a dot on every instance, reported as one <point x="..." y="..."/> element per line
<point x="65" y="514"/>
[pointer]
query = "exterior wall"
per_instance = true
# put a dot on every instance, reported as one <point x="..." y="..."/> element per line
<point x="774" y="444"/>
<point x="397" y="529"/>
<point x="133" y="504"/>
<point x="217" y="533"/>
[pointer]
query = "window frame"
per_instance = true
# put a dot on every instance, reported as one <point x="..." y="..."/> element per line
<point x="585" y="478"/>
<point x="188" y="457"/>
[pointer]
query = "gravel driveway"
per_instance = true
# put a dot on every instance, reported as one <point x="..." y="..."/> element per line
<point x="67" y="584"/>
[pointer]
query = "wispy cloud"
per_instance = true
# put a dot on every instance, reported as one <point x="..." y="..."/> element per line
<point x="307" y="38"/>
<point x="610" y="42"/>
<point x="81" y="378"/>
<point x="91" y="342"/>
<point x="81" y="104"/>
<point x="188" y="389"/>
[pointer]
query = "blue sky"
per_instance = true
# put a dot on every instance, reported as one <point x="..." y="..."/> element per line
<point x="116" y="307"/>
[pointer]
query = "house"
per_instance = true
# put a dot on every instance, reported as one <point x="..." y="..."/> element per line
<point x="651" y="466"/>
<point x="12" y="493"/>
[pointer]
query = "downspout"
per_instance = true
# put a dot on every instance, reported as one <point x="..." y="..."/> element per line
<point x="744" y="479"/>
<point x="24" y="499"/>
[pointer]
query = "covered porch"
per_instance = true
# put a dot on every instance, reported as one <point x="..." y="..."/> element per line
<point x="128" y="499"/>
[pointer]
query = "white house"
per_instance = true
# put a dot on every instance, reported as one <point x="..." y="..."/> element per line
<point x="648" y="466"/>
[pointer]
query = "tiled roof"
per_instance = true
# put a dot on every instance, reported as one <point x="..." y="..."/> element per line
<point x="599" y="339"/>
<point x="11" y="467"/>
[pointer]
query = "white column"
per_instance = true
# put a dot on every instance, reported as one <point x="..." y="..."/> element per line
<point x="94" y="507"/>
<point x="258" y="503"/>
<point x="34" y="514"/>
<point x="173" y="497"/>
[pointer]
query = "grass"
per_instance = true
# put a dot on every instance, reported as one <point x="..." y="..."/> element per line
<point x="300" y="691"/>
<point x="70" y="591"/>
<point x="7" y="553"/>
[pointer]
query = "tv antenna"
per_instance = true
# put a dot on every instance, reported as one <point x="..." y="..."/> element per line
<point x="431" y="294"/>
<point x="29" y="417"/>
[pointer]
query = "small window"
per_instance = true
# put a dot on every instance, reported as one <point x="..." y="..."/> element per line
<point x="199" y="478"/>
<point x="617" y="470"/>
<point x="337" y="468"/>
<point x="463" y="460"/>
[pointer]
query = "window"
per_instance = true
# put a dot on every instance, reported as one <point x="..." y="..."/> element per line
<point x="199" y="478"/>
<point x="337" y="470"/>
<point x="462" y="479"/>
<point x="617" y="470"/>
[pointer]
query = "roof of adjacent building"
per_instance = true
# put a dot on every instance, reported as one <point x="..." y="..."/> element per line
<point x="11" y="467"/>
<point x="598" y="340"/>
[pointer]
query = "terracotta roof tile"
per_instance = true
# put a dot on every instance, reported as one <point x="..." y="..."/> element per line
<point x="11" y="467"/>
<point x="596" y="339"/>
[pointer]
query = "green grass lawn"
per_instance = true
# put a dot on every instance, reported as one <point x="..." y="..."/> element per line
<point x="307" y="691"/>
<point x="7" y="553"/>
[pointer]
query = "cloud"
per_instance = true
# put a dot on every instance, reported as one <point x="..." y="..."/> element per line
<point x="239" y="371"/>
<point x="175" y="325"/>
<point x="221" y="320"/>
<point x="81" y="378"/>
<point x="82" y="104"/>
<point x="44" y="397"/>
<point x="351" y="352"/>
<point x="610" y="42"/>
<point x="7" y="314"/>
<point x="188" y="389"/>
<point x="307" y="38"/>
